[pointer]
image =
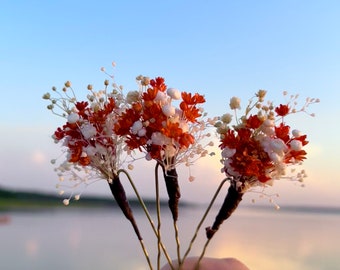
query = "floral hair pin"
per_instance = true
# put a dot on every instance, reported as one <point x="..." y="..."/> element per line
<point x="103" y="134"/>
<point x="258" y="148"/>
<point x="167" y="134"/>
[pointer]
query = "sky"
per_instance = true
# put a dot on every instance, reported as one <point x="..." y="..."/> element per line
<point x="217" y="48"/>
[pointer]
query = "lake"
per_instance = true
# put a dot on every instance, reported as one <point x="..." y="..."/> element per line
<point x="101" y="239"/>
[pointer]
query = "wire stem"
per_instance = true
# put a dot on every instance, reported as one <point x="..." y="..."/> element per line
<point x="202" y="254"/>
<point x="146" y="254"/>
<point x="159" y="240"/>
<point x="141" y="202"/>
<point x="177" y="243"/>
<point x="203" y="218"/>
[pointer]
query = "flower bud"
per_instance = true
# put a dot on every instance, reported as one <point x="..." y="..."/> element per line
<point x="47" y="96"/>
<point x="235" y="103"/>
<point x="226" y="118"/>
<point x="66" y="202"/>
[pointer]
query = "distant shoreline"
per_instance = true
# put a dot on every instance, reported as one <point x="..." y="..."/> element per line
<point x="11" y="200"/>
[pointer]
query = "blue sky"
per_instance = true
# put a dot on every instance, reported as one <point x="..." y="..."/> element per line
<point x="218" y="48"/>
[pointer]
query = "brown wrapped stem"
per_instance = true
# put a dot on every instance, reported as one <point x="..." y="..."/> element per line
<point x="118" y="193"/>
<point x="172" y="187"/>
<point x="229" y="205"/>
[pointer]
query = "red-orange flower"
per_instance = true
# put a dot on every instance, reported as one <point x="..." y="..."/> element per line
<point x="186" y="139"/>
<point x="253" y="122"/>
<point x="190" y="99"/>
<point x="282" y="110"/>
<point x="282" y="132"/>
<point x="172" y="130"/>
<point x="302" y="139"/>
<point x="188" y="105"/>
<point x="229" y="140"/>
<point x="158" y="83"/>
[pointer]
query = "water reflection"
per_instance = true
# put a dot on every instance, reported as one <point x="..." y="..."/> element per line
<point x="4" y="219"/>
<point x="102" y="239"/>
<point x="281" y="241"/>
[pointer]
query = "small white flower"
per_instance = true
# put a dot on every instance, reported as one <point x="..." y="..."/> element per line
<point x="296" y="145"/>
<point x="88" y="131"/>
<point x="174" y="93"/>
<point x="66" y="202"/>
<point x="261" y="94"/>
<point x="90" y="150"/>
<point x="269" y="123"/>
<point x="73" y="118"/>
<point x="235" y="103"/>
<point x="191" y="178"/>
<point x="278" y="146"/>
<point x="158" y="138"/>
<point x="141" y="132"/>
<point x="168" y="110"/>
<point x="136" y="127"/>
<point x="132" y="96"/>
<point x="268" y="127"/>
<point x="275" y="157"/>
<point x="101" y="149"/>
<point x="161" y="97"/>
<point x="228" y="152"/>
<point x="145" y="81"/>
<point x="226" y="118"/>
<point x="296" y="133"/>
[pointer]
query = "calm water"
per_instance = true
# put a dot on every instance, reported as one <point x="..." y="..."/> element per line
<point x="100" y="239"/>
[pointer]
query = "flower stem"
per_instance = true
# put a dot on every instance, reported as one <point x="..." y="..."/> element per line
<point x="177" y="243"/>
<point x="202" y="254"/>
<point x="119" y="194"/>
<point x="174" y="194"/>
<point x="172" y="187"/>
<point x="159" y="240"/>
<point x="230" y="203"/>
<point x="146" y="253"/>
<point x="203" y="218"/>
<point x="147" y="214"/>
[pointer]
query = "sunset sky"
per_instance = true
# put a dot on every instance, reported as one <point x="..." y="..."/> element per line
<point x="218" y="48"/>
